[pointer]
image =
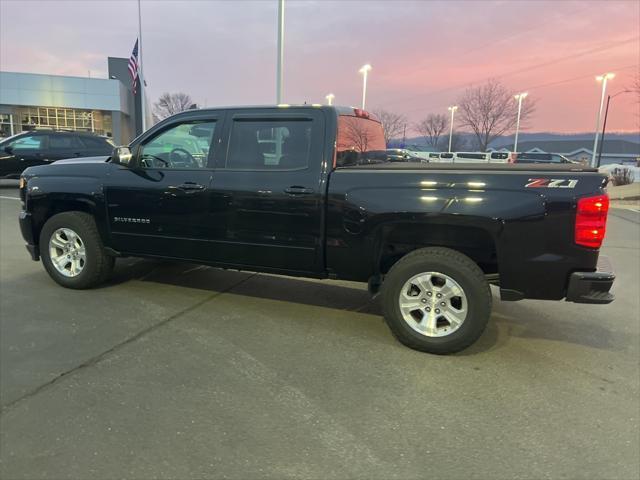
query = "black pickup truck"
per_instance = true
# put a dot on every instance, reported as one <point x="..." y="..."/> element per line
<point x="306" y="191"/>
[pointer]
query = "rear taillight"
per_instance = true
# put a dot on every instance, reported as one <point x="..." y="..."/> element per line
<point x="591" y="221"/>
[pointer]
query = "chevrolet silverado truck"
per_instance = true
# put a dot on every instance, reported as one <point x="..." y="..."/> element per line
<point x="306" y="191"/>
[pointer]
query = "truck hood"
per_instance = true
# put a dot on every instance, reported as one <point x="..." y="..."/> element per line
<point x="101" y="159"/>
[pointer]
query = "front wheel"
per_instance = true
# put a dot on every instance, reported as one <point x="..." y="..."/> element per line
<point x="436" y="300"/>
<point x="72" y="251"/>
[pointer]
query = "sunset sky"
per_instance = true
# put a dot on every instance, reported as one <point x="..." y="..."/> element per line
<point x="424" y="53"/>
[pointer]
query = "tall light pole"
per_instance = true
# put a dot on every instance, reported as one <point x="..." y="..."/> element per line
<point x="601" y="78"/>
<point x="604" y="123"/>
<point x="453" y="111"/>
<point x="519" y="97"/>
<point x="279" y="84"/>
<point x="330" y="98"/>
<point x="364" y="71"/>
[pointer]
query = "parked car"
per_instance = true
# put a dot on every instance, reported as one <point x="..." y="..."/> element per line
<point x="429" y="238"/>
<point x="526" y="157"/>
<point x="402" y="155"/>
<point x="40" y="147"/>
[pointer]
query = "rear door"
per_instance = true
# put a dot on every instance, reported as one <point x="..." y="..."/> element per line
<point x="160" y="205"/>
<point x="268" y="190"/>
<point x="61" y="146"/>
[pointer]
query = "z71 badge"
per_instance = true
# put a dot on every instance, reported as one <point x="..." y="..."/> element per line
<point x="551" y="183"/>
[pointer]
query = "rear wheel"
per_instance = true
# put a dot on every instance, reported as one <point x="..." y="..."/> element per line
<point x="436" y="300"/>
<point x="72" y="251"/>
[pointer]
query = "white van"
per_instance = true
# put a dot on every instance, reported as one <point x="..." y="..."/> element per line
<point x="473" y="157"/>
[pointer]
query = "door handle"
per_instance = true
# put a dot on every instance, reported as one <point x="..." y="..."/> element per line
<point x="296" y="190"/>
<point x="191" y="186"/>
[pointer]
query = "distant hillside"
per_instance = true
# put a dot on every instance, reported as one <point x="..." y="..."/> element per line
<point x="546" y="137"/>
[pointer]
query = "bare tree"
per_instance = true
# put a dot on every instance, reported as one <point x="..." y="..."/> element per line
<point x="392" y="123"/>
<point x="490" y="110"/>
<point x="635" y="89"/>
<point x="432" y="127"/>
<point x="171" y="103"/>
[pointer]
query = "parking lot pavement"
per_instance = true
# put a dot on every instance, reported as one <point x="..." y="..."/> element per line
<point x="180" y="371"/>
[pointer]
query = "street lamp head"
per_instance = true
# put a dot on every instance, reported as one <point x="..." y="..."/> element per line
<point x="522" y="95"/>
<point x="608" y="76"/>
<point x="365" y="68"/>
<point x="453" y="109"/>
<point x="330" y="96"/>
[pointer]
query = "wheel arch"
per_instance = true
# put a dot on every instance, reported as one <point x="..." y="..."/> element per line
<point x="395" y="240"/>
<point x="43" y="208"/>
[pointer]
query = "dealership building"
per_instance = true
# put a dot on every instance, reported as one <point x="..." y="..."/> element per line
<point x="106" y="106"/>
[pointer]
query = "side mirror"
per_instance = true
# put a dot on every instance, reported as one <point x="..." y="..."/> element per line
<point x="121" y="155"/>
<point x="8" y="149"/>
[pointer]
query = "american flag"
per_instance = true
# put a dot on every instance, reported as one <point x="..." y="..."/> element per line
<point x="133" y="67"/>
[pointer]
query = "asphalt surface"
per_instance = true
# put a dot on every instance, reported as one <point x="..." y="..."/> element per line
<point x="180" y="371"/>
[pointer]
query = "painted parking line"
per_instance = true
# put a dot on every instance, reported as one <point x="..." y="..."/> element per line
<point x="9" y="198"/>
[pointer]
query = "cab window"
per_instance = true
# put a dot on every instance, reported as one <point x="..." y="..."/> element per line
<point x="360" y="141"/>
<point x="270" y="144"/>
<point x="183" y="146"/>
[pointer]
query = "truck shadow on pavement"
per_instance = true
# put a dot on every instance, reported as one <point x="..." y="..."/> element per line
<point x="509" y="320"/>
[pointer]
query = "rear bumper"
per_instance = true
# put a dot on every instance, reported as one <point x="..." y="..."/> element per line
<point x="592" y="287"/>
<point x="26" y="228"/>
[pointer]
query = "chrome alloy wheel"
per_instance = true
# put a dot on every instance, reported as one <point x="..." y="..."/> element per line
<point x="67" y="252"/>
<point x="433" y="304"/>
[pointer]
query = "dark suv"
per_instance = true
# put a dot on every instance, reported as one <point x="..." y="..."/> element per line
<point x="40" y="147"/>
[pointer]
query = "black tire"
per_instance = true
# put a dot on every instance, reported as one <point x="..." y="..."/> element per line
<point x="462" y="270"/>
<point x="97" y="266"/>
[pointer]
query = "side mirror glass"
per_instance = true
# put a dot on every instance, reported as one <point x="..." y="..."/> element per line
<point x="121" y="155"/>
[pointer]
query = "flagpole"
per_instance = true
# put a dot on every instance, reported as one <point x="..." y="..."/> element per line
<point x="141" y="71"/>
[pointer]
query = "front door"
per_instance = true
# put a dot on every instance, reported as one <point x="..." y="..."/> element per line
<point x="22" y="153"/>
<point x="159" y="204"/>
<point x="268" y="192"/>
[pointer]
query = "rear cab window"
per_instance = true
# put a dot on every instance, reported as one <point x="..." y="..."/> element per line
<point x="360" y="140"/>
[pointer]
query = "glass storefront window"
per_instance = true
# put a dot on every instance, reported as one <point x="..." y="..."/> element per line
<point x="5" y="125"/>
<point x="34" y="118"/>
